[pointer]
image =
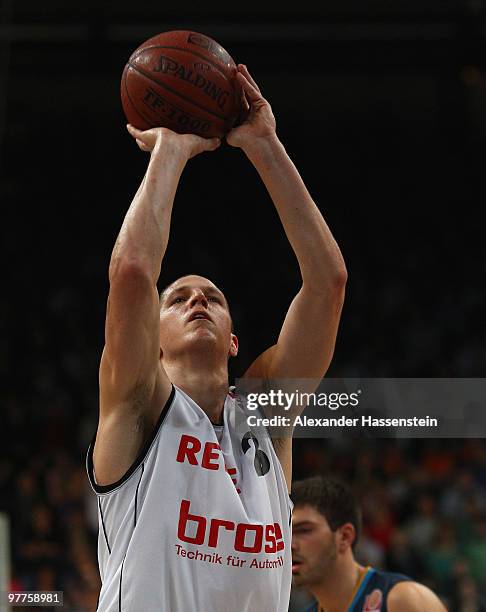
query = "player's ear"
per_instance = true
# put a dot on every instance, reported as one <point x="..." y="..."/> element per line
<point x="233" y="351"/>
<point x="346" y="537"/>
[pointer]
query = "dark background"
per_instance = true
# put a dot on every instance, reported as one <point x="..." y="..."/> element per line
<point x="382" y="106"/>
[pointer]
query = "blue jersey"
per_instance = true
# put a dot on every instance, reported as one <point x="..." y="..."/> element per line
<point x="372" y="591"/>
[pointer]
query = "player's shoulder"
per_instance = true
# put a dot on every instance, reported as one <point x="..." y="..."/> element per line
<point x="385" y="579"/>
<point x="410" y="596"/>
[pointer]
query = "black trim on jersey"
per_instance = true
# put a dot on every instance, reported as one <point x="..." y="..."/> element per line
<point x="119" y="586"/>
<point x="136" y="497"/>
<point x="103" y="524"/>
<point x="141" y="455"/>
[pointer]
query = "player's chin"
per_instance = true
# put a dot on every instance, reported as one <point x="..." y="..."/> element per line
<point x="203" y="336"/>
<point x="203" y="332"/>
<point x="297" y="577"/>
<point x="298" y="581"/>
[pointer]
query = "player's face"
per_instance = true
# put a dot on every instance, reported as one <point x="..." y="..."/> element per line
<point x="195" y="312"/>
<point x="314" y="549"/>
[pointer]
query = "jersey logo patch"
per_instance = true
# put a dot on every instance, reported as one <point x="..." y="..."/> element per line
<point x="261" y="462"/>
<point x="373" y="601"/>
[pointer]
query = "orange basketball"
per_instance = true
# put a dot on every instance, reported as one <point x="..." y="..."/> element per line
<point x="184" y="81"/>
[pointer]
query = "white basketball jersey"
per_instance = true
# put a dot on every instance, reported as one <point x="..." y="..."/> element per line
<point x="200" y="522"/>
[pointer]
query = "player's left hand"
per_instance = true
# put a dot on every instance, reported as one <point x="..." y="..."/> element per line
<point x="259" y="123"/>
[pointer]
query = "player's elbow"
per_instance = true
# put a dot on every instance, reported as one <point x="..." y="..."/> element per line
<point x="329" y="284"/>
<point x="339" y="277"/>
<point x="129" y="271"/>
<point x="338" y="288"/>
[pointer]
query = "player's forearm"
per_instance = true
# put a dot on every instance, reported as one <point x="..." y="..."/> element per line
<point x="144" y="235"/>
<point x="320" y="260"/>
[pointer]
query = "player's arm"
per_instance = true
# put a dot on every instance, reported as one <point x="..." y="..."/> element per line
<point x="133" y="385"/>
<point x="413" y="597"/>
<point x="306" y="342"/>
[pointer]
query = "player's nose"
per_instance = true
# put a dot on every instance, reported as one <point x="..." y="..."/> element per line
<point x="198" y="297"/>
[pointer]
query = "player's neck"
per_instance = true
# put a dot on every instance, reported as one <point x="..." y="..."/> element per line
<point x="336" y="592"/>
<point x="208" y="388"/>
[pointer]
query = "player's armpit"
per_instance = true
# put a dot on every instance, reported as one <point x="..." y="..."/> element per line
<point x="303" y="351"/>
<point x="133" y="385"/>
<point x="413" y="597"/>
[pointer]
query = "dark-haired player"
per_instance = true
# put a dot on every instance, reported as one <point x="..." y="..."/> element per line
<point x="194" y="516"/>
<point x="326" y="524"/>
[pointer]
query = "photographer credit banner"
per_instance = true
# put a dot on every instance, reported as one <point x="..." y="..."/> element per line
<point x="362" y="407"/>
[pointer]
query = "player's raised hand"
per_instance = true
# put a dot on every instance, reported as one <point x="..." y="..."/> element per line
<point x="259" y="122"/>
<point x="187" y="145"/>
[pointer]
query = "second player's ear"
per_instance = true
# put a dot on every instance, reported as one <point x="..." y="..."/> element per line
<point x="233" y="351"/>
<point x="346" y="537"/>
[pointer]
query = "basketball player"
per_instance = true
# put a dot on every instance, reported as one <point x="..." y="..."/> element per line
<point x="326" y="525"/>
<point x="193" y="516"/>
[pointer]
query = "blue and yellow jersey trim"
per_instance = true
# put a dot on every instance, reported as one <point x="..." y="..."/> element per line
<point x="359" y="588"/>
<point x="361" y="585"/>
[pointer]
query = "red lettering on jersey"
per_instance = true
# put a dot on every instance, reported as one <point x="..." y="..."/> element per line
<point x="273" y="533"/>
<point x="209" y="454"/>
<point x="184" y="517"/>
<point x="271" y="545"/>
<point x="241" y="530"/>
<point x="190" y="446"/>
<point x="279" y="536"/>
<point x="233" y="472"/>
<point x="214" y="530"/>
<point x="188" y="451"/>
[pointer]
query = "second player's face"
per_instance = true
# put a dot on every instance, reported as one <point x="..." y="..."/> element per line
<point x="194" y="313"/>
<point x="314" y="548"/>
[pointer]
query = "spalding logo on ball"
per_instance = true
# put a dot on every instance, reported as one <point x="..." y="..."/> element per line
<point x="183" y="81"/>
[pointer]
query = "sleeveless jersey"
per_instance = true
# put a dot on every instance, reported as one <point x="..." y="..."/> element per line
<point x="372" y="591"/>
<point x="199" y="522"/>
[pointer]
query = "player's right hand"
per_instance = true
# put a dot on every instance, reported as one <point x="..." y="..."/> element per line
<point x="188" y="145"/>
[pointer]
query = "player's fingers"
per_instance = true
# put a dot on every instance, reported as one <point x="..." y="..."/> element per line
<point x="211" y="143"/>
<point x="245" y="107"/>
<point x="133" y="130"/>
<point x="244" y="101"/>
<point x="200" y="145"/>
<point x="144" y="136"/>
<point x="251" y="92"/>
<point x="142" y="145"/>
<point x="244" y="70"/>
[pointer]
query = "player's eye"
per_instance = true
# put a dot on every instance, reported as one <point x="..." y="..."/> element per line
<point x="179" y="300"/>
<point x="212" y="298"/>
